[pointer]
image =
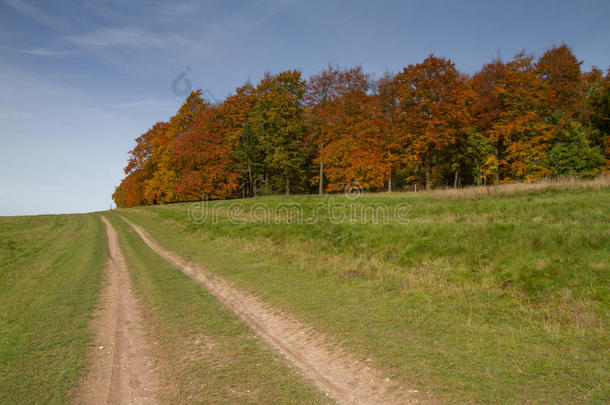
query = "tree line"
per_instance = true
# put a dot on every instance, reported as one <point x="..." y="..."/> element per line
<point x="427" y="125"/>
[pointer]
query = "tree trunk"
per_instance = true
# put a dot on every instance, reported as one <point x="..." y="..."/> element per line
<point x="252" y="182"/>
<point x="267" y="181"/>
<point x="390" y="182"/>
<point x="428" y="173"/>
<point x="321" y="183"/>
<point x="456" y="177"/>
<point x="287" y="185"/>
<point x="497" y="166"/>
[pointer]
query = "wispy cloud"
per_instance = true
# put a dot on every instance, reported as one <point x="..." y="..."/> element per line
<point x="36" y="14"/>
<point x="125" y="36"/>
<point x="45" y="52"/>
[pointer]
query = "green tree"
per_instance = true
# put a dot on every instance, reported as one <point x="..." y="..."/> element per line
<point x="573" y="155"/>
<point x="599" y="111"/>
<point x="250" y="157"/>
<point x="479" y="151"/>
<point x="277" y="121"/>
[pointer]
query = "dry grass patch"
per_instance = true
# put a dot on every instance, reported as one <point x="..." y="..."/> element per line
<point x="506" y="189"/>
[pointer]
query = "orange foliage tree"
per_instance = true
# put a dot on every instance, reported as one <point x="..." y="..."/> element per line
<point x="511" y="121"/>
<point x="432" y="111"/>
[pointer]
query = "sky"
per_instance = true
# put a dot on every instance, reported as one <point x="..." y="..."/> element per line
<point x="80" y="80"/>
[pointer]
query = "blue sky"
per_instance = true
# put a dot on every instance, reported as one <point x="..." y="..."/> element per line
<point x="81" y="80"/>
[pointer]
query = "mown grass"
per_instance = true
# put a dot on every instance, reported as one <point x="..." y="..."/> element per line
<point x="504" y="299"/>
<point x="50" y="272"/>
<point x="206" y="354"/>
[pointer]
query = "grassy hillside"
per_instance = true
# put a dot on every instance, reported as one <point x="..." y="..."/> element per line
<point x="50" y="272"/>
<point x="503" y="298"/>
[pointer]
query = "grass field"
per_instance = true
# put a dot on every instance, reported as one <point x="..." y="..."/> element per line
<point x="498" y="299"/>
<point x="50" y="272"/>
<point x="499" y="295"/>
<point x="206" y="354"/>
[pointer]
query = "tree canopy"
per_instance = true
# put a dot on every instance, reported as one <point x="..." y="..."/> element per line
<point x="427" y="125"/>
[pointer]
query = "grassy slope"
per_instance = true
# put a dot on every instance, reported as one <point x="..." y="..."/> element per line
<point x="504" y="299"/>
<point x="209" y="355"/>
<point x="50" y="272"/>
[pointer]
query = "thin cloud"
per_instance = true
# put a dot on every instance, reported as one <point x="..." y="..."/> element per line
<point x="34" y="13"/>
<point x="44" y="52"/>
<point x="126" y="36"/>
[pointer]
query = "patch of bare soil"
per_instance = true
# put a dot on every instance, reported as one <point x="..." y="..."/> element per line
<point x="342" y="377"/>
<point x="119" y="368"/>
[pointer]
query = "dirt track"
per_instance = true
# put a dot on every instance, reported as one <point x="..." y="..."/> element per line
<point x="119" y="367"/>
<point x="336" y="373"/>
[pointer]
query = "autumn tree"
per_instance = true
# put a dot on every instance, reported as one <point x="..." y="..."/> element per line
<point x="204" y="160"/>
<point x="357" y="153"/>
<point x="163" y="186"/>
<point x="392" y="140"/>
<point x="234" y="114"/>
<point x="346" y="127"/>
<point x="324" y="113"/>
<point x="486" y="109"/>
<point x="140" y="169"/>
<point x="559" y="74"/>
<point x="511" y="121"/>
<point x="431" y="108"/>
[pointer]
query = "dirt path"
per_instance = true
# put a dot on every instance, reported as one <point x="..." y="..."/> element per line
<point x="339" y="375"/>
<point x="119" y="368"/>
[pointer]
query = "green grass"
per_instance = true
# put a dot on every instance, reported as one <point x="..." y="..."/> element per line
<point x="206" y="353"/>
<point x="503" y="299"/>
<point x="50" y="272"/>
